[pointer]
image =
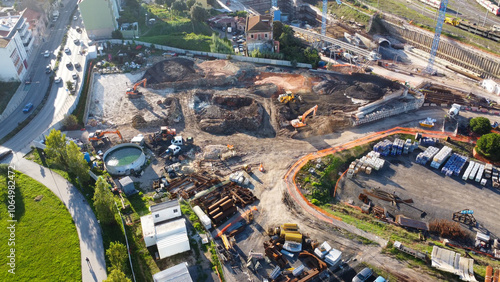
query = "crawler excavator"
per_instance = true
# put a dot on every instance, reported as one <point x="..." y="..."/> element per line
<point x="132" y="92"/>
<point x="301" y="121"/>
<point x="288" y="97"/>
<point x="99" y="135"/>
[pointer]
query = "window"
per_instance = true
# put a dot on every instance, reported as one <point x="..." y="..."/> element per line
<point x="176" y="211"/>
<point x="157" y="215"/>
<point x="265" y="35"/>
<point x="258" y="36"/>
<point x="251" y="36"/>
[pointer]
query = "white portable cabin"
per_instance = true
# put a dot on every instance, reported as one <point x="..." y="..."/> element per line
<point x="474" y="171"/>
<point x="165" y="211"/>
<point x="177" y="273"/>
<point x="480" y="173"/>
<point x="468" y="170"/>
<point x="148" y="230"/>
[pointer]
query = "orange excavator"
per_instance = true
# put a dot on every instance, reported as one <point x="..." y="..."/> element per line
<point x="99" y="135"/>
<point x="132" y="92"/>
<point x="301" y="121"/>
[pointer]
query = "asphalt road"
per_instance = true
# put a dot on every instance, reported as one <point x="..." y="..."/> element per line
<point x="40" y="83"/>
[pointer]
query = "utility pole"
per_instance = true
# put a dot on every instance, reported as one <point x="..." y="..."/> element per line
<point x="485" y="16"/>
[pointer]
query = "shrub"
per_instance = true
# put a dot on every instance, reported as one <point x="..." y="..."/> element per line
<point x="315" y="202"/>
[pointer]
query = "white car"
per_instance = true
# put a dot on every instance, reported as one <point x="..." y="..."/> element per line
<point x="75" y="76"/>
<point x="57" y="80"/>
<point x="75" y="18"/>
<point x="173" y="150"/>
<point x="67" y="50"/>
<point x="177" y="141"/>
<point x="46" y="54"/>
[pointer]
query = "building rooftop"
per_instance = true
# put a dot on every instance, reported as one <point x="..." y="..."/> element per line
<point x="4" y="42"/>
<point x="164" y="205"/>
<point x="8" y="24"/>
<point x="178" y="273"/>
<point x="148" y="226"/>
<point x="259" y="23"/>
<point x="171" y="227"/>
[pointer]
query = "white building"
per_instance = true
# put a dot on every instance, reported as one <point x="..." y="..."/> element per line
<point x="178" y="273"/>
<point x="165" y="211"/>
<point x="99" y="17"/>
<point x="16" y="44"/>
<point x="169" y="236"/>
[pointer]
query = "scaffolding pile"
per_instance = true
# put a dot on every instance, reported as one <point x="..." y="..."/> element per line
<point x="371" y="161"/>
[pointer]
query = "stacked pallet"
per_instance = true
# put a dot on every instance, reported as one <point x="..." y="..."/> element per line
<point x="397" y="147"/>
<point x="494" y="178"/>
<point x="424" y="157"/>
<point x="383" y="147"/>
<point x="454" y="165"/>
<point x="441" y="157"/>
<point x="426" y="141"/>
<point x="222" y="209"/>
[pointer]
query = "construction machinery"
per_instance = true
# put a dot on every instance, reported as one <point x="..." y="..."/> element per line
<point x="133" y="92"/>
<point x="287" y="97"/>
<point x="454" y="110"/>
<point x="99" y="135"/>
<point x="301" y="121"/>
<point x="165" y="133"/>
<point x="452" y="21"/>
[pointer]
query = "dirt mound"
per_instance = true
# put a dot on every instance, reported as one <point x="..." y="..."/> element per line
<point x="364" y="91"/>
<point x="218" y="68"/>
<point x="218" y="114"/>
<point x="171" y="70"/>
<point x="285" y="81"/>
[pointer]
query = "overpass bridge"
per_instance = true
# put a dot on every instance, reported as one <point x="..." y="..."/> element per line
<point x="315" y="37"/>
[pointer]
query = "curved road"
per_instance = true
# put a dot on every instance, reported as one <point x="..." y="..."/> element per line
<point x="87" y="227"/>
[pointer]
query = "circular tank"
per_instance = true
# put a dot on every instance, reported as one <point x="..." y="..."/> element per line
<point x="123" y="158"/>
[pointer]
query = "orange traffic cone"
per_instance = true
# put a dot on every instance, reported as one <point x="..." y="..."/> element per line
<point x="261" y="168"/>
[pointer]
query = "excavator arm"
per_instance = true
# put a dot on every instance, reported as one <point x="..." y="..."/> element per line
<point x="300" y="122"/>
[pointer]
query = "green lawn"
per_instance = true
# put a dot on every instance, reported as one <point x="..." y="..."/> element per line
<point x="188" y="41"/>
<point x="7" y="90"/>
<point x="47" y="246"/>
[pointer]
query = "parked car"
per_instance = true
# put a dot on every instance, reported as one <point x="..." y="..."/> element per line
<point x="380" y="279"/>
<point x="75" y="18"/>
<point x="57" y="80"/>
<point x="48" y="69"/>
<point x="28" y="107"/>
<point x="69" y="65"/>
<point x="67" y="50"/>
<point x="363" y="275"/>
<point x="76" y="41"/>
<point x="46" y="54"/>
<point x="78" y="29"/>
<point x="74" y="76"/>
<point x="77" y="65"/>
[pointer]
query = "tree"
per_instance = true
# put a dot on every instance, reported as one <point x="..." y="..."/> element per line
<point x="70" y="122"/>
<point x="56" y="148"/>
<point x="198" y="13"/>
<point x="179" y="6"/>
<point x="190" y="3"/>
<point x="103" y="201"/>
<point x="69" y="84"/>
<point x="277" y="30"/>
<point x="77" y="165"/>
<point x="117" y="254"/>
<point x="311" y="55"/>
<point x="480" y="125"/>
<point x="489" y="146"/>
<point x="117" y="276"/>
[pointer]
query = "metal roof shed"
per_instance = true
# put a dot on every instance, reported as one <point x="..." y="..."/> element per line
<point x="127" y="185"/>
<point x="172" y="245"/>
<point x="178" y="273"/>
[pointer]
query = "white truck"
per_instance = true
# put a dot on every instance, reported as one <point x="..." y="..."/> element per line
<point x="454" y="110"/>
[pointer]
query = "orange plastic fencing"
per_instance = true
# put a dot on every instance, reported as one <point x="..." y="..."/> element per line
<point x="295" y="168"/>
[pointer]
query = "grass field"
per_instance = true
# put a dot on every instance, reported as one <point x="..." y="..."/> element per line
<point x="7" y="90"/>
<point x="189" y="41"/>
<point x="47" y="246"/>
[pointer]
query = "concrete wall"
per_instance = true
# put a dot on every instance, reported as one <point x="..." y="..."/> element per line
<point x="480" y="62"/>
<point x="99" y="17"/>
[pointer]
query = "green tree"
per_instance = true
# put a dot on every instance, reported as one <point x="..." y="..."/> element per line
<point x="311" y="55"/>
<point x="190" y="3"/>
<point x="56" y="148"/>
<point x="480" y="125"/>
<point x="70" y="122"/>
<point x="103" y="201"/>
<point x="198" y="13"/>
<point x="117" y="254"/>
<point x="69" y="84"/>
<point x="489" y="146"/>
<point x="117" y="276"/>
<point x="77" y="165"/>
<point x="277" y="30"/>
<point x="179" y="6"/>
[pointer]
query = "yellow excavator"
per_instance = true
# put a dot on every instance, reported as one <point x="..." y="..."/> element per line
<point x="452" y="21"/>
<point x="100" y="134"/>
<point x="301" y="121"/>
<point x="287" y="97"/>
<point x="132" y="92"/>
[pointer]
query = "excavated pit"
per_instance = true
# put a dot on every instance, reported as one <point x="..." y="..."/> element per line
<point x="225" y="115"/>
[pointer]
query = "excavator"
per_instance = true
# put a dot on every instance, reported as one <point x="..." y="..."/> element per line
<point x="301" y="121"/>
<point x="288" y="97"/>
<point x="99" y="135"/>
<point x="132" y="92"/>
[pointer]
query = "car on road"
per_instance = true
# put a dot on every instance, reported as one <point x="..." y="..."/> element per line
<point x="28" y="107"/>
<point x="4" y="152"/>
<point x="76" y="41"/>
<point x="69" y="65"/>
<point x="78" y="29"/>
<point x="67" y="50"/>
<point x="363" y="275"/>
<point x="57" y="79"/>
<point x="48" y="69"/>
<point x="46" y="54"/>
<point x="77" y="65"/>
<point x="74" y="76"/>
<point x="28" y="80"/>
<point x="240" y="41"/>
<point x="75" y="18"/>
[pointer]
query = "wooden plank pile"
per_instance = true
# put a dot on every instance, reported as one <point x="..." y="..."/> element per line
<point x="187" y="186"/>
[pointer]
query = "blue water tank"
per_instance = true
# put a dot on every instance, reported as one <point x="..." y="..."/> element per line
<point x="277" y="15"/>
<point x="86" y="156"/>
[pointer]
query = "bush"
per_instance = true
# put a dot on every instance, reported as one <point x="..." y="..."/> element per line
<point x="70" y="122"/>
<point x="315" y="202"/>
<point x="489" y="146"/>
<point x="480" y="125"/>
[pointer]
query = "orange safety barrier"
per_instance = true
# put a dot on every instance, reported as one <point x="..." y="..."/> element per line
<point x="295" y="168"/>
